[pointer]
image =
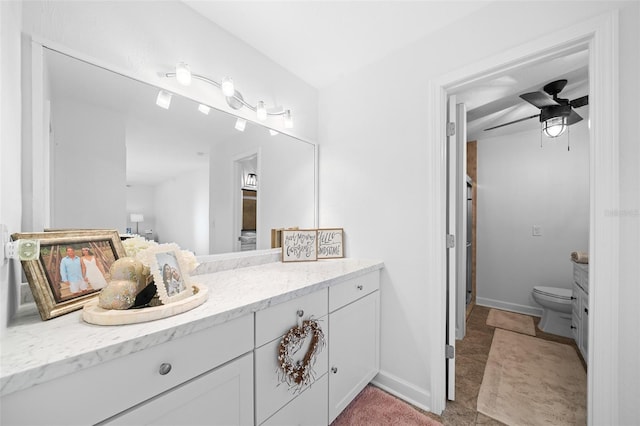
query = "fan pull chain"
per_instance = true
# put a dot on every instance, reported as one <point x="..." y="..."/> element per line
<point x="568" y="138"/>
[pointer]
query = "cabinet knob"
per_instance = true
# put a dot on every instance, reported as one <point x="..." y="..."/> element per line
<point x="300" y="313"/>
<point x="586" y="311"/>
<point x="573" y="298"/>
<point x="334" y="369"/>
<point x="359" y="287"/>
<point x="165" y="367"/>
<point x="573" y="327"/>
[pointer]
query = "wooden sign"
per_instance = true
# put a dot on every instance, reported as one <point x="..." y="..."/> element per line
<point x="330" y="243"/>
<point x="299" y="245"/>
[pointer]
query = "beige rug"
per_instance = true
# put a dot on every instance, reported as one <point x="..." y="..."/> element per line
<point x="530" y="381"/>
<point x="511" y="321"/>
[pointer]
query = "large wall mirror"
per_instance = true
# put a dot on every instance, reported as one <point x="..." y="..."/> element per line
<point x="179" y="175"/>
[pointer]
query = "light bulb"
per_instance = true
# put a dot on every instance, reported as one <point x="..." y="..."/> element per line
<point x="204" y="109"/>
<point x="164" y="99"/>
<point x="288" y="121"/>
<point x="241" y="124"/>
<point x="555" y="126"/>
<point x="183" y="74"/>
<point x="227" y="87"/>
<point x="261" y="111"/>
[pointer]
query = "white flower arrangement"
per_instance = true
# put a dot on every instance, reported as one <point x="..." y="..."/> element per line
<point x="138" y="247"/>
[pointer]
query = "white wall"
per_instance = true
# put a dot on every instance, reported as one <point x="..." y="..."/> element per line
<point x="182" y="211"/>
<point x="10" y="134"/>
<point x="521" y="184"/>
<point x="374" y="161"/>
<point x="88" y="150"/>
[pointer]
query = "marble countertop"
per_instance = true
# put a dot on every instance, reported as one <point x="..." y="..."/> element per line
<point x="35" y="351"/>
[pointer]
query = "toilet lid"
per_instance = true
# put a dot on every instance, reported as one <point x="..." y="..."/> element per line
<point x="560" y="293"/>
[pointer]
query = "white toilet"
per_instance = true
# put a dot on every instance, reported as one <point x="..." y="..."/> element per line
<point x="556" y="314"/>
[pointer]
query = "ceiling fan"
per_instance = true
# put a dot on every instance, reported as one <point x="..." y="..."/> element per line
<point x="555" y="113"/>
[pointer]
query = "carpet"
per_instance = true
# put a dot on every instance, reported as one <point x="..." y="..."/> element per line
<point x="374" y="407"/>
<point x="530" y="381"/>
<point x="511" y="321"/>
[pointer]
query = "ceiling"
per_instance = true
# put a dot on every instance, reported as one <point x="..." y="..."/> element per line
<point x="319" y="41"/>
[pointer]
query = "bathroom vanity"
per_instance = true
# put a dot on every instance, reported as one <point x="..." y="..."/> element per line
<point x="580" y="311"/>
<point x="215" y="364"/>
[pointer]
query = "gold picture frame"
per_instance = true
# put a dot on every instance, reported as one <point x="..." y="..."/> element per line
<point x="58" y="286"/>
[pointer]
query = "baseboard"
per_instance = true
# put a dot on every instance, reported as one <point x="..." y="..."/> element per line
<point x="506" y="306"/>
<point x="404" y="390"/>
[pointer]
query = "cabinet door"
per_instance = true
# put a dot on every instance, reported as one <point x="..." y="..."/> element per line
<point x="354" y="350"/>
<point x="223" y="396"/>
<point x="307" y="409"/>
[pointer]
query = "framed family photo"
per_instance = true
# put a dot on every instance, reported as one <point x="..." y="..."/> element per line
<point x="170" y="272"/>
<point x="71" y="269"/>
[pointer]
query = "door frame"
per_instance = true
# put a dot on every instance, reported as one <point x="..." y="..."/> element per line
<point x="600" y="36"/>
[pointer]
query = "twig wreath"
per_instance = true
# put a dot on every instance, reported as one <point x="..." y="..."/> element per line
<point x="298" y="374"/>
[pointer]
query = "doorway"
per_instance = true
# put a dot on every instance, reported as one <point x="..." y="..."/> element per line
<point x="599" y="37"/>
<point x="245" y="190"/>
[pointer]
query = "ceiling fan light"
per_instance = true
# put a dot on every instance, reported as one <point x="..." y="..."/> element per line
<point x="554" y="126"/>
<point x="183" y="74"/>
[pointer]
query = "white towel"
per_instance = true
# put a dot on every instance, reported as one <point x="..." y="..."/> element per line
<point x="580" y="257"/>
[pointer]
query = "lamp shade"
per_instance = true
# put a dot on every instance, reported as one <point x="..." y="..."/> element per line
<point x="137" y="217"/>
<point x="555" y="126"/>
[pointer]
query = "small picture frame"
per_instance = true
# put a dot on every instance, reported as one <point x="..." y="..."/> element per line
<point x="330" y="243"/>
<point x="170" y="272"/>
<point x="299" y="245"/>
<point x="71" y="269"/>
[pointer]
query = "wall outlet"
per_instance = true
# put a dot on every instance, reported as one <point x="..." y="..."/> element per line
<point x="536" y="230"/>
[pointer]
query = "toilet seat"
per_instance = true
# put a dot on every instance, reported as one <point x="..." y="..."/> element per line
<point x="555" y="292"/>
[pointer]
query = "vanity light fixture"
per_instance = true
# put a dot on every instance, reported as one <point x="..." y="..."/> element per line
<point x="241" y="123"/>
<point x="227" y="87"/>
<point x="261" y="111"/>
<point x="164" y="99"/>
<point x="234" y="98"/>
<point x="204" y="109"/>
<point x="288" y="121"/>
<point x="183" y="74"/>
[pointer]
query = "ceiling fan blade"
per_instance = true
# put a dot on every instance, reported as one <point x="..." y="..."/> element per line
<point x="573" y="118"/>
<point x="539" y="99"/>
<point x="580" y="102"/>
<point x="512" y="122"/>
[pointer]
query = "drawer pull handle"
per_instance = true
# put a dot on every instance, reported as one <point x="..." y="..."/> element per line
<point x="359" y="287"/>
<point x="573" y="298"/>
<point x="165" y="367"/>
<point x="334" y="370"/>
<point x="300" y="313"/>
<point x="573" y="327"/>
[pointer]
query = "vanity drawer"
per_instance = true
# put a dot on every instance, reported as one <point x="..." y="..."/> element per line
<point x="271" y="394"/>
<point x="272" y="323"/>
<point x="99" y="392"/>
<point x="353" y="289"/>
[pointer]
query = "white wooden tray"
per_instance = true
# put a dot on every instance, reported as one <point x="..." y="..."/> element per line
<point x="94" y="314"/>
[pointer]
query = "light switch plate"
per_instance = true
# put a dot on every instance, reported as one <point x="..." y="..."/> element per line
<point x="536" y="230"/>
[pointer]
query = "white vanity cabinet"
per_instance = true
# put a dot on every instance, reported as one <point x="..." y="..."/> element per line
<point x="271" y="394"/>
<point x="354" y="339"/>
<point x="100" y="392"/>
<point x="222" y="397"/>
<point x="580" y="310"/>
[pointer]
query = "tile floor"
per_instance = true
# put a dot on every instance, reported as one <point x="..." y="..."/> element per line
<point x="472" y="353"/>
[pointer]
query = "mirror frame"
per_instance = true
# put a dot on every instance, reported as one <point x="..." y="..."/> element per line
<point x="37" y="215"/>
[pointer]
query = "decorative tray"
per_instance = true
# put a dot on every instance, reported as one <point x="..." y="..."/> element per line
<point x="94" y="314"/>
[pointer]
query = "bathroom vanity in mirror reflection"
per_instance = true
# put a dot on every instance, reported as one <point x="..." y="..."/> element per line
<point x="111" y="151"/>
